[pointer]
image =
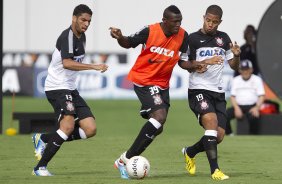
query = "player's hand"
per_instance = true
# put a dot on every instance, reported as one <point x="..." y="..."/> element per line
<point x="215" y="60"/>
<point x="201" y="68"/>
<point x="101" y="67"/>
<point x="115" y="33"/>
<point x="235" y="49"/>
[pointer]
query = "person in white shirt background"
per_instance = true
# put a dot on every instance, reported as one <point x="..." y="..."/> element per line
<point x="247" y="95"/>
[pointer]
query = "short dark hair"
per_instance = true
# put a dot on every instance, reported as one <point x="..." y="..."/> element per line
<point x="171" y="9"/>
<point x="80" y="9"/>
<point x="215" y="10"/>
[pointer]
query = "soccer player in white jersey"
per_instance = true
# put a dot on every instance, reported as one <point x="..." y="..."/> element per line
<point x="75" y="118"/>
<point x="206" y="95"/>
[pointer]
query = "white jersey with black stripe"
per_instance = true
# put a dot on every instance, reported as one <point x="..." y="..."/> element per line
<point x="67" y="46"/>
<point x="203" y="46"/>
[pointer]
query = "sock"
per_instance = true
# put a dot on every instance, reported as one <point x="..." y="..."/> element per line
<point x="198" y="147"/>
<point x="52" y="147"/>
<point x="144" y="138"/>
<point x="46" y="137"/>
<point x="210" y="145"/>
<point x="78" y="133"/>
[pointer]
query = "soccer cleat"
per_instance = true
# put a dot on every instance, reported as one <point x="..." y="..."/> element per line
<point x="218" y="175"/>
<point x="42" y="171"/>
<point x="122" y="169"/>
<point x="190" y="162"/>
<point x="39" y="146"/>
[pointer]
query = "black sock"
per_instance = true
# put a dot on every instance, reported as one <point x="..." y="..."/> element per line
<point x="74" y="135"/>
<point x="52" y="147"/>
<point x="46" y="137"/>
<point x="143" y="140"/>
<point x="210" y="145"/>
<point x="198" y="147"/>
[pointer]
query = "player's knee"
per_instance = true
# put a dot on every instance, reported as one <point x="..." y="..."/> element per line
<point x="159" y="115"/>
<point x="67" y="129"/>
<point x="219" y="140"/>
<point x="91" y="131"/>
<point x="162" y="119"/>
<point x="67" y="124"/>
<point x="220" y="137"/>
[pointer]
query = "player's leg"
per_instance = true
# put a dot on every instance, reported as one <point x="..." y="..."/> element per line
<point x="199" y="104"/>
<point x="210" y="141"/>
<point x="209" y="122"/>
<point x="221" y="128"/>
<point x="78" y="133"/>
<point x="221" y="118"/>
<point x="85" y="125"/>
<point x="148" y="132"/>
<point x="54" y="144"/>
<point x="155" y="102"/>
<point x="62" y="101"/>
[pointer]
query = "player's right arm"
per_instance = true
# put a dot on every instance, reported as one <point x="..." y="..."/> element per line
<point x="122" y="40"/>
<point x="131" y="41"/>
<point x="70" y="64"/>
<point x="67" y="54"/>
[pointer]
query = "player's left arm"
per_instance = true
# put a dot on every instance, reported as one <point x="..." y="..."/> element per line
<point x="234" y="62"/>
<point x="185" y="62"/>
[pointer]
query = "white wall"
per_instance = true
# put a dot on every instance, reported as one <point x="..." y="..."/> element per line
<point x="34" y="25"/>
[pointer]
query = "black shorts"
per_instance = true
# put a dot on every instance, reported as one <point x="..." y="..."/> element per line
<point x="152" y="98"/>
<point x="204" y="101"/>
<point x="68" y="102"/>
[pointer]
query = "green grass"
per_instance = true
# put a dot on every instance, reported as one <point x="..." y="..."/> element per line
<point x="247" y="159"/>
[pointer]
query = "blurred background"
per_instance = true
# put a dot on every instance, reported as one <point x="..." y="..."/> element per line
<point x="29" y="32"/>
<point x="31" y="28"/>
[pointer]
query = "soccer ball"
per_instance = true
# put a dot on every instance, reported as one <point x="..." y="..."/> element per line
<point x="138" y="167"/>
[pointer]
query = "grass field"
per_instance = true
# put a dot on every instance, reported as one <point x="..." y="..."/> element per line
<point x="247" y="159"/>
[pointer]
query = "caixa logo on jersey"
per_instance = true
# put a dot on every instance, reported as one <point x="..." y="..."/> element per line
<point x="212" y="52"/>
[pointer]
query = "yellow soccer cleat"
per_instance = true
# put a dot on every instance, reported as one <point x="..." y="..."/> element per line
<point x="190" y="163"/>
<point x="218" y="175"/>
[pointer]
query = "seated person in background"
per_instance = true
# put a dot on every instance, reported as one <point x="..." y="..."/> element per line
<point x="248" y="49"/>
<point x="247" y="95"/>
